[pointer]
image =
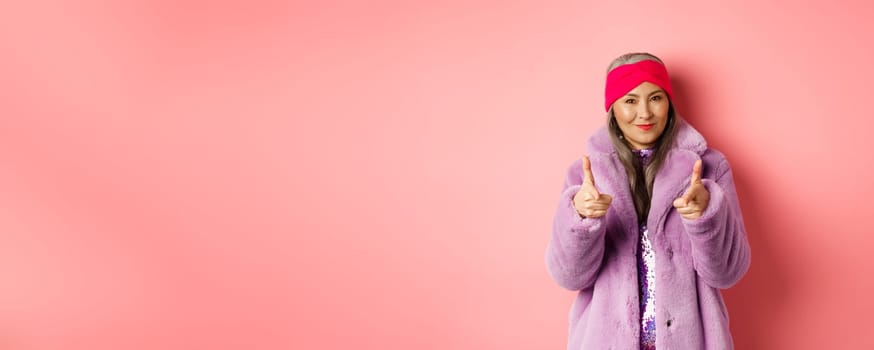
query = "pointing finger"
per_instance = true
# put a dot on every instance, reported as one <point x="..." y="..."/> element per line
<point x="596" y="206"/>
<point x="688" y="196"/>
<point x="690" y="212"/>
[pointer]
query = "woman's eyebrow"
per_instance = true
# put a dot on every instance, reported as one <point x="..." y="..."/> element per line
<point x="650" y="94"/>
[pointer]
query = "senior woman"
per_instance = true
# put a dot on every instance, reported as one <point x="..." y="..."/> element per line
<point x="648" y="227"/>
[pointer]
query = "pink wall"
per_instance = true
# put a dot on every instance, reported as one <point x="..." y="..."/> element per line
<point x="259" y="175"/>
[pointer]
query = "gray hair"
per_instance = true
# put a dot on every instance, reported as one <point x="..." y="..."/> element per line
<point x="632" y="57"/>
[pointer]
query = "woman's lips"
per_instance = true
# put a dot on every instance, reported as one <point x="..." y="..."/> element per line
<point x="645" y="127"/>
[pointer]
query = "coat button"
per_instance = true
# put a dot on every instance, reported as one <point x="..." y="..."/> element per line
<point x="669" y="323"/>
<point x="670" y="253"/>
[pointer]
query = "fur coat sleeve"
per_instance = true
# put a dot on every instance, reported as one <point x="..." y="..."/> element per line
<point x="576" y="248"/>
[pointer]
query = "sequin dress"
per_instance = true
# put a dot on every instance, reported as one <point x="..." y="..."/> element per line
<point x="646" y="276"/>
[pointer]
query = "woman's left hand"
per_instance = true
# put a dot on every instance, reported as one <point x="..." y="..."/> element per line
<point x="693" y="203"/>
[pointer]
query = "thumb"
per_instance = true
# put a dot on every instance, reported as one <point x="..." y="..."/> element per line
<point x="694" y="182"/>
<point x="587" y="171"/>
<point x="696" y="173"/>
<point x="589" y="179"/>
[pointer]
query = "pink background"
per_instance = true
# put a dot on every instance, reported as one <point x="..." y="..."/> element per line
<point x="334" y="175"/>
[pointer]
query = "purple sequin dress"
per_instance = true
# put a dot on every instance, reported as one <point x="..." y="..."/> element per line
<point x="646" y="276"/>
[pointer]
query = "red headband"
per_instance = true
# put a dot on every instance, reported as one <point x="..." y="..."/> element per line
<point x="626" y="77"/>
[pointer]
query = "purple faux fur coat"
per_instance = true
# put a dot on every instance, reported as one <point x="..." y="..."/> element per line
<point x="694" y="258"/>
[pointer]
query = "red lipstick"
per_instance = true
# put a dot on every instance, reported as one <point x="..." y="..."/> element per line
<point x="645" y="127"/>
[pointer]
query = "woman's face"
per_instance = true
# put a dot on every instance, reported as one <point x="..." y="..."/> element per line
<point x="642" y="114"/>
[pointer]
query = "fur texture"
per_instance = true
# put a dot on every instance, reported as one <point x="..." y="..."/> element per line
<point x="694" y="258"/>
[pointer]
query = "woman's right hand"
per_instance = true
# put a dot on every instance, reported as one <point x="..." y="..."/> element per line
<point x="588" y="201"/>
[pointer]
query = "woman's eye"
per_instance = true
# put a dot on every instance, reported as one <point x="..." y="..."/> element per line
<point x="656" y="98"/>
<point x="630" y="100"/>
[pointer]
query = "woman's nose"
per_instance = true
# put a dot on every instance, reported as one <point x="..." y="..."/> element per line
<point x="644" y="111"/>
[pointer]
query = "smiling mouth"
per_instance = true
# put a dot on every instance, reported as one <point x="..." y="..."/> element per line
<point x="645" y="127"/>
